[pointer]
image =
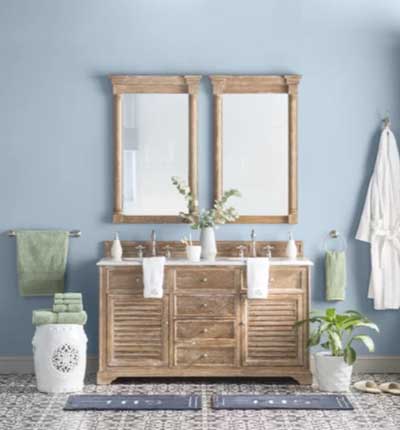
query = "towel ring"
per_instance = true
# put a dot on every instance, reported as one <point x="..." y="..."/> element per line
<point x="334" y="235"/>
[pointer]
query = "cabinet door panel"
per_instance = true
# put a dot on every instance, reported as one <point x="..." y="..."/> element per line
<point x="137" y="331"/>
<point x="269" y="338"/>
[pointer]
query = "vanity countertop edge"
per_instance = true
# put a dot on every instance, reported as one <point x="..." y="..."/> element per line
<point x="275" y="261"/>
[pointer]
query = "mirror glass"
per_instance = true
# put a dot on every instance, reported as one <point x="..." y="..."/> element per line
<point x="155" y="148"/>
<point x="256" y="151"/>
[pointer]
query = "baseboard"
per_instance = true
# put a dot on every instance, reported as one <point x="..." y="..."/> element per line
<point x="24" y="364"/>
<point x="383" y="364"/>
<point x="374" y="364"/>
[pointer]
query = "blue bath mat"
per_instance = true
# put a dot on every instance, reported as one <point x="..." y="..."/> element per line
<point x="132" y="402"/>
<point x="301" y="401"/>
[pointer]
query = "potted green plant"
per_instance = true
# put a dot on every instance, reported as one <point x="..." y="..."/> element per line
<point x="206" y="219"/>
<point x="335" y="334"/>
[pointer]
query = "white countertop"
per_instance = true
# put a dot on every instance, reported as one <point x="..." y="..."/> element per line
<point x="222" y="261"/>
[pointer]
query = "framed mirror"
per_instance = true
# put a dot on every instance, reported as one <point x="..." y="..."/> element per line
<point x="255" y="145"/>
<point x="155" y="138"/>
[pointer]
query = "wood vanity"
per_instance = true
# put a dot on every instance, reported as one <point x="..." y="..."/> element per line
<point x="204" y="325"/>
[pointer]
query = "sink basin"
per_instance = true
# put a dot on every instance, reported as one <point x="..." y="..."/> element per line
<point x="222" y="259"/>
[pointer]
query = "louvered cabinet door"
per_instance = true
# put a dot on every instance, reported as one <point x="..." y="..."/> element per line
<point x="268" y="336"/>
<point x="137" y="331"/>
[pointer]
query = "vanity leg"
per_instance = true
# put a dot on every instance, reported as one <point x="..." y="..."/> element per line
<point x="303" y="378"/>
<point x="104" y="378"/>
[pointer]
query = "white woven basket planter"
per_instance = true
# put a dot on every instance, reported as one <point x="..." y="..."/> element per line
<point x="59" y="352"/>
<point x="333" y="374"/>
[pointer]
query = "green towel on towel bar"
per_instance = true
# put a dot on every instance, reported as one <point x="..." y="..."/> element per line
<point x="41" y="262"/>
<point x="68" y="308"/>
<point x="46" y="316"/>
<point x="68" y="296"/>
<point x="335" y="268"/>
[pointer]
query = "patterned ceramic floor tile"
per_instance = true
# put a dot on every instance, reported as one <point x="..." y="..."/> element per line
<point x="22" y="407"/>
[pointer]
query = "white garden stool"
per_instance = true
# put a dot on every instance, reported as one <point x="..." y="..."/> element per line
<point x="59" y="352"/>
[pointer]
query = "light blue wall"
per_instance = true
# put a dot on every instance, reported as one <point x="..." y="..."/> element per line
<point x="56" y="133"/>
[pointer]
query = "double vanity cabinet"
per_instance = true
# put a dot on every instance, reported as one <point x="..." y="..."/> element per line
<point x="204" y="325"/>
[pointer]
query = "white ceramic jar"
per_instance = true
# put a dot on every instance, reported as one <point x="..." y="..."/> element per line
<point x="59" y="352"/>
<point x="193" y="253"/>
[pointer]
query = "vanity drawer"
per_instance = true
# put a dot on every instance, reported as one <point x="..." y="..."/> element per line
<point x="204" y="330"/>
<point x="125" y="280"/>
<point x="200" y="306"/>
<point x="205" y="356"/>
<point x="208" y="278"/>
<point x="288" y="278"/>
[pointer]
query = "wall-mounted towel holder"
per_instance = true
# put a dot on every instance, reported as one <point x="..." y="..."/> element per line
<point x="72" y="233"/>
<point x="335" y="236"/>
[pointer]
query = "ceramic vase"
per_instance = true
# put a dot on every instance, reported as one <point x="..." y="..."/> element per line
<point x="208" y="244"/>
<point x="333" y="373"/>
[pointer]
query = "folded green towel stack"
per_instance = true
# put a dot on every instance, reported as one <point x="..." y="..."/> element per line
<point x="78" y="307"/>
<point x="67" y="309"/>
<point x="68" y="296"/>
<point x="47" y="316"/>
<point x="68" y="302"/>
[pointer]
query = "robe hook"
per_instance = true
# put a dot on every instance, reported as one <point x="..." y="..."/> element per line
<point x="386" y="121"/>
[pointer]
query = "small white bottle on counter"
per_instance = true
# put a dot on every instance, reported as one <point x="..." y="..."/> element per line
<point x="291" y="248"/>
<point x="116" y="249"/>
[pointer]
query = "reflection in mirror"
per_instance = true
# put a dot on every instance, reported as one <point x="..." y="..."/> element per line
<point x="256" y="151"/>
<point x="155" y="147"/>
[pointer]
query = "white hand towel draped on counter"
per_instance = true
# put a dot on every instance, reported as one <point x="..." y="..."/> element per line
<point x="153" y="277"/>
<point x="257" y="278"/>
<point x="380" y="225"/>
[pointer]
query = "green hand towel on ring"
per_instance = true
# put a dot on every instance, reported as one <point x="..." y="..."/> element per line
<point x="335" y="268"/>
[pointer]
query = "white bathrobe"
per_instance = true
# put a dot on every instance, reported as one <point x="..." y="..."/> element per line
<point x="380" y="225"/>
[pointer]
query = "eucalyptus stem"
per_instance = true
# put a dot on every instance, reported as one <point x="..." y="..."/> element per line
<point x="220" y="213"/>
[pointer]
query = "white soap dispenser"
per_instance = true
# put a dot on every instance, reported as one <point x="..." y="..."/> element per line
<point x="116" y="249"/>
<point x="291" y="248"/>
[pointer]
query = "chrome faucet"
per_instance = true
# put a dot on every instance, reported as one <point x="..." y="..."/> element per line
<point x="153" y="243"/>
<point x="253" y="243"/>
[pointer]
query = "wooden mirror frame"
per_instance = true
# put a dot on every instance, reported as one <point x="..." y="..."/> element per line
<point x="136" y="84"/>
<point x="231" y="84"/>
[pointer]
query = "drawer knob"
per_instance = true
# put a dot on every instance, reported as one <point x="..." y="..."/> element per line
<point x="204" y="305"/>
<point x="137" y="280"/>
<point x="204" y="280"/>
<point x="205" y="355"/>
<point x="205" y="330"/>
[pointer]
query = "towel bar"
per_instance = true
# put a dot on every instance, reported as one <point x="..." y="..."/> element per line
<point x="72" y="233"/>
